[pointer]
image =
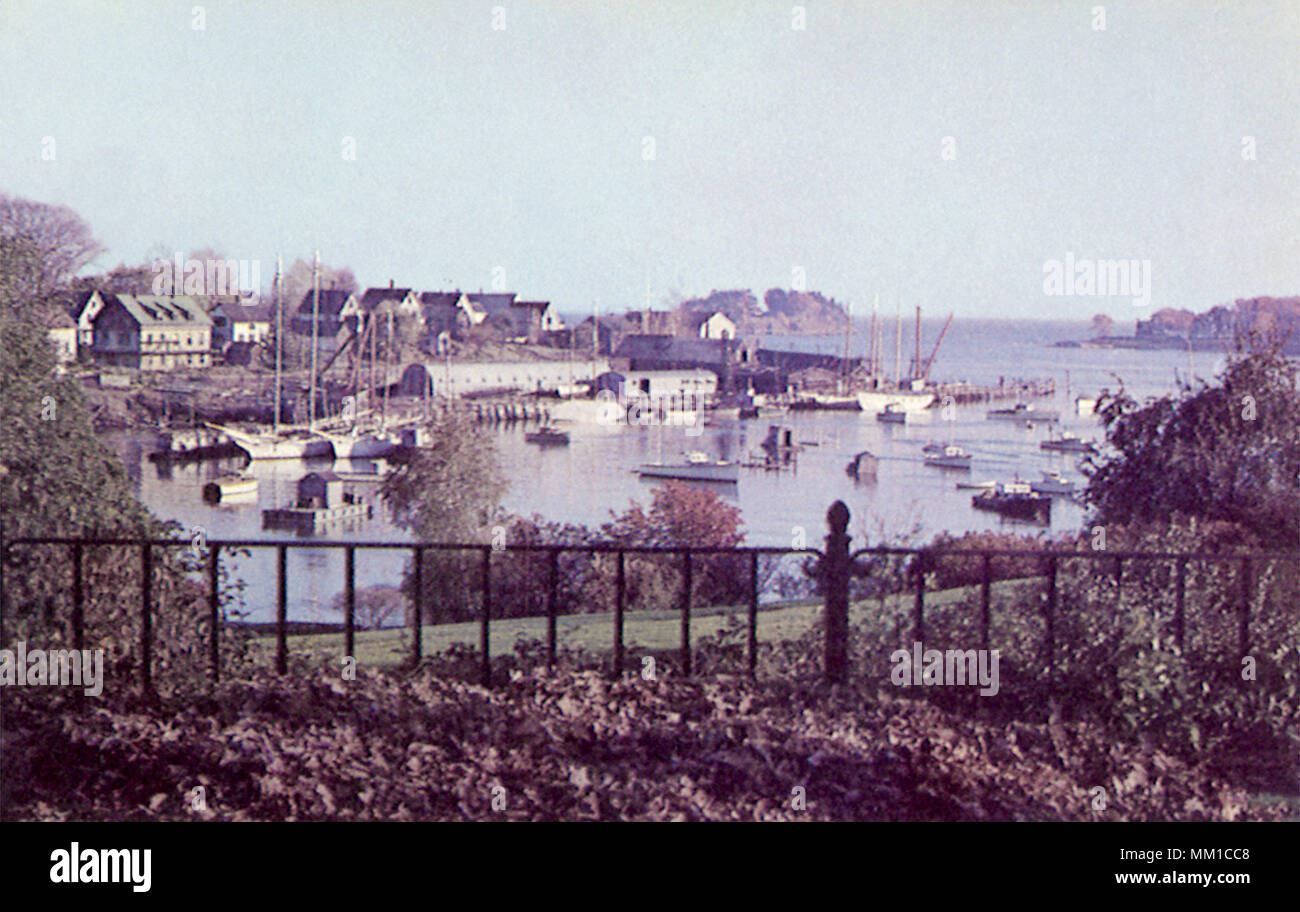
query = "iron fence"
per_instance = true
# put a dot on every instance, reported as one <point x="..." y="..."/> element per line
<point x="834" y="569"/>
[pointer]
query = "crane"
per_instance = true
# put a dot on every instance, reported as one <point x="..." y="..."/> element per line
<point x="929" y="362"/>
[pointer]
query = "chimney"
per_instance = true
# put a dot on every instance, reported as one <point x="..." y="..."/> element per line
<point x="390" y="283"/>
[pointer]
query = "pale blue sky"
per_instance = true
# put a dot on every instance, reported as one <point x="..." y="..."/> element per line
<point x="775" y="148"/>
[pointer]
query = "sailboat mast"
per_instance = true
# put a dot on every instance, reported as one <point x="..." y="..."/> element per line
<point x="873" y="346"/>
<point x="315" y="339"/>
<point x="898" y="347"/>
<point x="916" y="358"/>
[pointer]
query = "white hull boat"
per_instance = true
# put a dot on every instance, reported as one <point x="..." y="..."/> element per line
<point x="697" y="467"/>
<point x="952" y="457"/>
<point x="298" y="445"/>
<point x="907" y="400"/>
<point x="361" y="446"/>
<point x="1052" y="483"/>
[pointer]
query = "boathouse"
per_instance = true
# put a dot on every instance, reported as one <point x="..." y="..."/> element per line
<point x="320" y="490"/>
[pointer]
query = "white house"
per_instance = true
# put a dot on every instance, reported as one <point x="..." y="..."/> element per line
<point x="718" y="326"/>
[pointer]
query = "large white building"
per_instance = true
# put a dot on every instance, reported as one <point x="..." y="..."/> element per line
<point x="461" y="378"/>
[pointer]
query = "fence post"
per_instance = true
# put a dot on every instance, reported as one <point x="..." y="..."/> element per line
<point x="835" y="577"/>
<point x="281" y="610"/>
<point x="753" y="613"/>
<point x="350" y="603"/>
<point x="986" y="607"/>
<point x="416" y="620"/>
<point x="214" y="611"/>
<point x="485" y="636"/>
<point x="686" y="614"/>
<point x="552" y="608"/>
<point x="620" y="594"/>
<point x="146" y="619"/>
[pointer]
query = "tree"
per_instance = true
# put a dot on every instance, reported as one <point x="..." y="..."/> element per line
<point x="680" y="515"/>
<point x="1228" y="451"/>
<point x="297" y="281"/>
<point x="1102" y="325"/>
<point x="61" y="244"/>
<point x="373" y="606"/>
<point x="448" y="492"/>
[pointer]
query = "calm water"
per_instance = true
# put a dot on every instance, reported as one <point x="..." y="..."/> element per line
<point x="593" y="476"/>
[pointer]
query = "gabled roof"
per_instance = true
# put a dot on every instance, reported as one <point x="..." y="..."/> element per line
<point x="491" y="303"/>
<point x="641" y="347"/>
<point x="164" y="310"/>
<point x="439" y="298"/>
<point x="332" y="302"/>
<point x="237" y="312"/>
<point x="376" y="296"/>
<point x="532" y="305"/>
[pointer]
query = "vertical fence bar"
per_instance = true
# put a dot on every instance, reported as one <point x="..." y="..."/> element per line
<point x="686" y="614"/>
<point x="836" y="567"/>
<point x="1049" y="645"/>
<point x="986" y="604"/>
<point x="918" y="609"/>
<point x="1180" y="597"/>
<point x="485" y="632"/>
<point x="552" y="594"/>
<point x="350" y="602"/>
<point x="752" y="653"/>
<point x="214" y="612"/>
<point x="78" y="601"/>
<point x="416" y="620"/>
<point x="281" y="610"/>
<point x="1247" y="595"/>
<point x="620" y="594"/>
<point x="146" y="618"/>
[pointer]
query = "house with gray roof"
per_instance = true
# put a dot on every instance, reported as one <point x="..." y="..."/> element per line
<point x="153" y="332"/>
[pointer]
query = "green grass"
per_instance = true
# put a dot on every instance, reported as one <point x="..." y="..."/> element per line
<point x="650" y="630"/>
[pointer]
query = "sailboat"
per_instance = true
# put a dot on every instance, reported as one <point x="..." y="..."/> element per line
<point x="906" y="396"/>
<point x="295" y="443"/>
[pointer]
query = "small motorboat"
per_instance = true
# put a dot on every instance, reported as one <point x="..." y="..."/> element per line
<point x="1068" y="443"/>
<point x="975" y="485"/>
<point x="1015" y="499"/>
<point x="697" y="467"/>
<point x="547" y="436"/>
<point x="1023" y="412"/>
<point x="952" y="457"/>
<point x="230" y="487"/>
<point x="1053" y="483"/>
<point x="894" y="413"/>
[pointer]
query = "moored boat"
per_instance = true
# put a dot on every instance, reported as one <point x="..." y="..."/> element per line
<point x="547" y="436"/>
<point x="1053" y="482"/>
<point x="1022" y="411"/>
<point x="1068" y="443"/>
<point x="697" y="467"/>
<point x="294" y="445"/>
<point x="1015" y="499"/>
<point x="952" y="457"/>
<point x="230" y="487"/>
<point x="893" y="413"/>
<point x="904" y="399"/>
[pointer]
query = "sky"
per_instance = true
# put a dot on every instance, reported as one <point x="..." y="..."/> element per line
<point x="610" y="155"/>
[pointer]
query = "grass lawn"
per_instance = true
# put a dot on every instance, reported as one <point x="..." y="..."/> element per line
<point x="652" y="630"/>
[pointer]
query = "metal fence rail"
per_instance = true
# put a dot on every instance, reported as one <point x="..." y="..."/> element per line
<point x="834" y="568"/>
<point x="212" y="568"/>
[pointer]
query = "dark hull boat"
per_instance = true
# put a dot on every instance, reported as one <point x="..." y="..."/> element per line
<point x="1015" y="500"/>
